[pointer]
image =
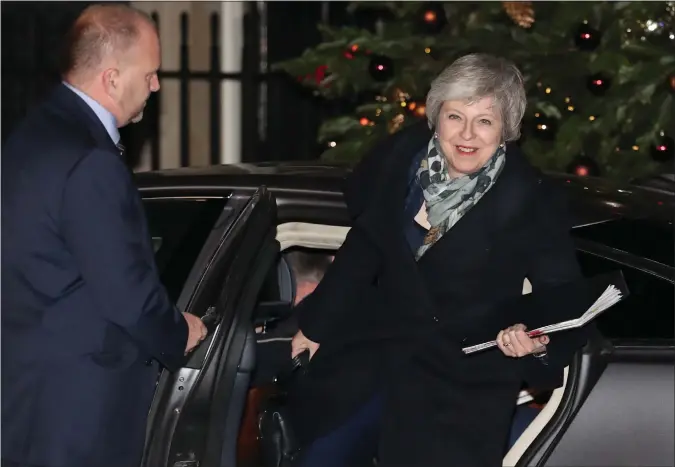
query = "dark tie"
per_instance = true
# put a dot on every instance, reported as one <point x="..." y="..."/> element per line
<point x="121" y="149"/>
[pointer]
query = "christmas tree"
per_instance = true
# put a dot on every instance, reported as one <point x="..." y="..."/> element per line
<point x="600" y="76"/>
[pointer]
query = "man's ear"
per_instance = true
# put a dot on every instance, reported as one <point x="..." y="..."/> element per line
<point x="111" y="81"/>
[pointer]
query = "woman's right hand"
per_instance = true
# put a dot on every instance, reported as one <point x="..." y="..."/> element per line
<point x="300" y="343"/>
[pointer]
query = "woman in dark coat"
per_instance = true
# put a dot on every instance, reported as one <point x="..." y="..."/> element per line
<point x="448" y="223"/>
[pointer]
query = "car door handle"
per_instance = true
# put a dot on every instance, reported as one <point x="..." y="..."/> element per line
<point x="210" y="317"/>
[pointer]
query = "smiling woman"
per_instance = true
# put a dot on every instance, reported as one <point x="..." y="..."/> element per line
<point x="447" y="223"/>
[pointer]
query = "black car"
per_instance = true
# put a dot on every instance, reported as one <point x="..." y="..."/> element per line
<point x="219" y="234"/>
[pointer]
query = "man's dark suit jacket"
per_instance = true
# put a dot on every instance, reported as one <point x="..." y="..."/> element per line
<point x="391" y="325"/>
<point x="85" y="318"/>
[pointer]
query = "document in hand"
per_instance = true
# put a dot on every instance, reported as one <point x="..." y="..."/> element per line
<point x="569" y="306"/>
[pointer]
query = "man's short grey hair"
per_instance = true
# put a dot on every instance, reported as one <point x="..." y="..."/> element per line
<point x="100" y="31"/>
<point x="476" y="76"/>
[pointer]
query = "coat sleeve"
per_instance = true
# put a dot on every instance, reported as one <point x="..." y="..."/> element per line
<point x="103" y="228"/>
<point x="324" y="313"/>
<point x="553" y="261"/>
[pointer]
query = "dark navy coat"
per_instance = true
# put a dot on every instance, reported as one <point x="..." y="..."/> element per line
<point x="85" y="320"/>
<point x="393" y="326"/>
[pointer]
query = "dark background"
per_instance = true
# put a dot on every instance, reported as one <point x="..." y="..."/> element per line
<point x="32" y="34"/>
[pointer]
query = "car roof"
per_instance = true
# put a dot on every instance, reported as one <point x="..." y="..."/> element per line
<point x="296" y="176"/>
<point x="592" y="199"/>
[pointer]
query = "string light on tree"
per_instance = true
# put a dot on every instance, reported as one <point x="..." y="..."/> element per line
<point x="381" y="68"/>
<point x="586" y="38"/>
<point x="418" y="109"/>
<point x="569" y="106"/>
<point x="599" y="84"/>
<point x="431" y="52"/>
<point x="664" y="149"/>
<point x="432" y="18"/>
<point x="351" y="51"/>
<point x="544" y="128"/>
<point x="583" y="166"/>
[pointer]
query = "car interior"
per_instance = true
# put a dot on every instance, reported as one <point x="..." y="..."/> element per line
<point x="265" y="437"/>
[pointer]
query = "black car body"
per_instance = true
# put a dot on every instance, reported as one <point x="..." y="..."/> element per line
<point x="217" y="233"/>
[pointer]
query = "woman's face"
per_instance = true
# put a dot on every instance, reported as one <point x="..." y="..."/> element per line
<point x="468" y="134"/>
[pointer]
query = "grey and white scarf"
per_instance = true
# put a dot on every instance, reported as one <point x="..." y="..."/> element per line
<point x="449" y="199"/>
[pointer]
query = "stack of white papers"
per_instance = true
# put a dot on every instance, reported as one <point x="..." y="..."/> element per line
<point x="610" y="297"/>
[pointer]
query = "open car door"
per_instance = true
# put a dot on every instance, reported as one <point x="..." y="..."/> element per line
<point x="196" y="412"/>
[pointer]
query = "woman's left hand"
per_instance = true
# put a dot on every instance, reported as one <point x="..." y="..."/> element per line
<point x="514" y="342"/>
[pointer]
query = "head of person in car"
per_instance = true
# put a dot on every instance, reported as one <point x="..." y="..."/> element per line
<point x="308" y="270"/>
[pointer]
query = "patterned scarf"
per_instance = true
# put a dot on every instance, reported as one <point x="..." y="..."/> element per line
<point x="448" y="199"/>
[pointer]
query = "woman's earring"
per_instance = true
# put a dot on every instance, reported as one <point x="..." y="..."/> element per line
<point x="435" y="135"/>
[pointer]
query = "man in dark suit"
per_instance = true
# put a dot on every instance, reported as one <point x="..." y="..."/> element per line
<point x="86" y="322"/>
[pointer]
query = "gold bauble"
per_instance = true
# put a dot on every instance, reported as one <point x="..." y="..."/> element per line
<point x="522" y="13"/>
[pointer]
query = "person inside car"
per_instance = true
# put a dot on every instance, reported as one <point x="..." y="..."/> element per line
<point x="273" y="345"/>
<point x="448" y="221"/>
<point x="308" y="268"/>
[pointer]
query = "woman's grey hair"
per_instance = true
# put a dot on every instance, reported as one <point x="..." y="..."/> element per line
<point x="476" y="76"/>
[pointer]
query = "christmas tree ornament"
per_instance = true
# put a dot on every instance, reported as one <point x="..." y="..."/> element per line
<point x="381" y="68"/>
<point x="316" y="78"/>
<point x="399" y="95"/>
<point x="432" y="18"/>
<point x="599" y="84"/>
<point x="583" y="166"/>
<point x="586" y="38"/>
<point x="671" y="83"/>
<point x="544" y="127"/>
<point x="521" y="13"/>
<point x="351" y="51"/>
<point x="664" y="149"/>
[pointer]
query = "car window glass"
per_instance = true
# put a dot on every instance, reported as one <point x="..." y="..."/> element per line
<point x="647" y="313"/>
<point x="179" y="228"/>
<point x="651" y="239"/>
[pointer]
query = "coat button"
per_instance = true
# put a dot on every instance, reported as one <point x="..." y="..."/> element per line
<point x="435" y="318"/>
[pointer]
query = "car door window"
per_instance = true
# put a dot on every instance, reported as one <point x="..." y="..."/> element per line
<point x="647" y="313"/>
<point x="179" y="227"/>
